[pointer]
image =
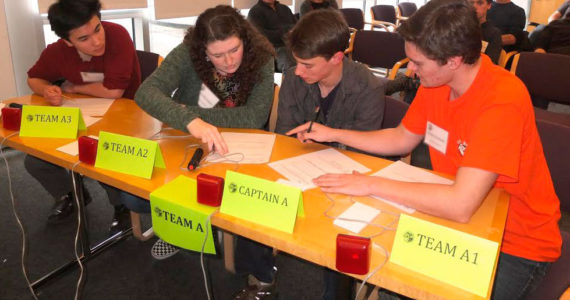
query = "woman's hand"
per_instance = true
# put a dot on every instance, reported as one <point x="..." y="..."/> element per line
<point x="209" y="134"/>
<point x="319" y="133"/>
<point x="355" y="184"/>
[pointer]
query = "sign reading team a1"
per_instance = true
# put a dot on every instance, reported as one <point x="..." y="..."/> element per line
<point x="457" y="258"/>
<point x="51" y="121"/>
<point x="262" y="201"/>
<point x="127" y="154"/>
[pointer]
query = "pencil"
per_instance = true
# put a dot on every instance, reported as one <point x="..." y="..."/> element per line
<point x="317" y="111"/>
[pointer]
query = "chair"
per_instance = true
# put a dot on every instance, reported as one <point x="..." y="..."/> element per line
<point x="354" y="17"/>
<point x="384" y="17"/>
<point x="273" y="113"/>
<point x="545" y="76"/>
<point x="554" y="133"/>
<point x="405" y="10"/>
<point x="505" y="57"/>
<point x="394" y="112"/>
<point x="380" y="49"/>
<point x="148" y="62"/>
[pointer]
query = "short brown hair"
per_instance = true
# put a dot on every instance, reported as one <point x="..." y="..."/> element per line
<point x="321" y="32"/>
<point x="442" y="29"/>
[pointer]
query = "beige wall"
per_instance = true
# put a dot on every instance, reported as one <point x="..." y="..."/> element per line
<point x="540" y="10"/>
<point x="7" y="84"/>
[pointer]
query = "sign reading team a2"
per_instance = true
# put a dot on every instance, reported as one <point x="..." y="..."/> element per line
<point x="457" y="258"/>
<point x="262" y="201"/>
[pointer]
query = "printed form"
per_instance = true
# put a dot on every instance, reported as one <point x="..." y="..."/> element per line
<point x="92" y="109"/>
<point x="246" y="148"/>
<point x="304" y="168"/>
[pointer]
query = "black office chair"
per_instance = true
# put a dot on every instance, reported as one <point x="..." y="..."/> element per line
<point x="382" y="51"/>
<point x="148" y="62"/>
<point x="406" y="10"/>
<point x="354" y="17"/>
<point x="384" y="17"/>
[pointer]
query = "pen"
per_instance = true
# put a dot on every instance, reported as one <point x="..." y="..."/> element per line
<point x="317" y="111"/>
<point x="195" y="161"/>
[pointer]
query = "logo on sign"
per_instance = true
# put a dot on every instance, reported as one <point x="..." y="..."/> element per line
<point x="30" y="118"/>
<point x="408" y="236"/>
<point x="126" y="149"/>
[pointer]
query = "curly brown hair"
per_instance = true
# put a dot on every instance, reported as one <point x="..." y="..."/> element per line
<point x="220" y="23"/>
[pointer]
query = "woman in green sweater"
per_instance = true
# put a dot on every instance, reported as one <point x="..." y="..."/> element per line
<point x="221" y="75"/>
<point x="222" y="56"/>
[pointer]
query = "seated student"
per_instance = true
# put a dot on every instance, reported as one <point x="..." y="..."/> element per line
<point x="511" y="21"/>
<point x="481" y="120"/>
<point x="274" y="20"/>
<point x="309" y="5"/>
<point x="555" y="37"/>
<point x="222" y="53"/>
<point x="348" y="96"/>
<point x="491" y="34"/>
<point x="94" y="58"/>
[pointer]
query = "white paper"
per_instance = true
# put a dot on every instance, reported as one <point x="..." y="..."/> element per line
<point x="73" y="147"/>
<point x="304" y="168"/>
<point x="357" y="211"/>
<point x="403" y="172"/>
<point x="293" y="184"/>
<point x="246" y="148"/>
<point x="92" y="109"/>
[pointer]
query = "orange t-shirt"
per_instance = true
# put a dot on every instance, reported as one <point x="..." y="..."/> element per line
<point x="492" y="127"/>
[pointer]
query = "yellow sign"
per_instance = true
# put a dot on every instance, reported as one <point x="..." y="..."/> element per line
<point x="262" y="201"/>
<point x="127" y="154"/>
<point x="51" y="121"/>
<point x="178" y="218"/>
<point x="454" y="257"/>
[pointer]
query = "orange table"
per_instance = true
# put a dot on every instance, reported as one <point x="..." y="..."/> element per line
<point x="314" y="236"/>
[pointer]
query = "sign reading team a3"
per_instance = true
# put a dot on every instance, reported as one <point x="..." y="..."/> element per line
<point x="262" y="201"/>
<point x="457" y="258"/>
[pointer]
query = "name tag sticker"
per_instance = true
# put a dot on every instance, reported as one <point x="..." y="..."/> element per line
<point x="128" y="155"/>
<point x="454" y="257"/>
<point x="262" y="201"/>
<point x="92" y="77"/>
<point x="178" y="218"/>
<point x="436" y="137"/>
<point x="51" y="121"/>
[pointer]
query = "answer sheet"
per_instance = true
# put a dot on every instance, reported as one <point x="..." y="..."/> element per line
<point x="92" y="109"/>
<point x="304" y="168"/>
<point x="246" y="148"/>
<point x="401" y="171"/>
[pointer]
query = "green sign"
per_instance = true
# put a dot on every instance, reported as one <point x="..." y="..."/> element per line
<point x="178" y="218"/>
<point x="51" y="121"/>
<point x="454" y="257"/>
<point x="262" y="201"/>
<point x="129" y="155"/>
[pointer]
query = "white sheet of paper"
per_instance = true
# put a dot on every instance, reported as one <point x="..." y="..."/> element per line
<point x="357" y="211"/>
<point x="73" y="147"/>
<point x="92" y="109"/>
<point x="304" y="168"/>
<point x="293" y="184"/>
<point x="255" y="147"/>
<point x="401" y="171"/>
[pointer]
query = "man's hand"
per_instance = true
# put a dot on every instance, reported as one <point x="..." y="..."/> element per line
<point x="68" y="87"/>
<point x="319" y="133"/>
<point x="52" y="93"/>
<point x="209" y="134"/>
<point x="354" y="184"/>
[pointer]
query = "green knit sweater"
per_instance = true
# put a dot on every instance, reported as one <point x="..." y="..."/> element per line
<point x="176" y="76"/>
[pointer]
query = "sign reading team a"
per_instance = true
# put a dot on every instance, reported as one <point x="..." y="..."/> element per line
<point x="454" y="257"/>
<point x="51" y="121"/>
<point x="127" y="154"/>
<point x="179" y="219"/>
<point x="262" y="201"/>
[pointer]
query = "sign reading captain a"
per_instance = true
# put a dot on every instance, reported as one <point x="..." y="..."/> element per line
<point x="262" y="201"/>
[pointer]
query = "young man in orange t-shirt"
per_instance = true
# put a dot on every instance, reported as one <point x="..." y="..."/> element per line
<point x="479" y="123"/>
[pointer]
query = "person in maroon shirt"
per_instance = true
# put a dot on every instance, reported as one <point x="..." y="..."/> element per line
<point x="91" y="57"/>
